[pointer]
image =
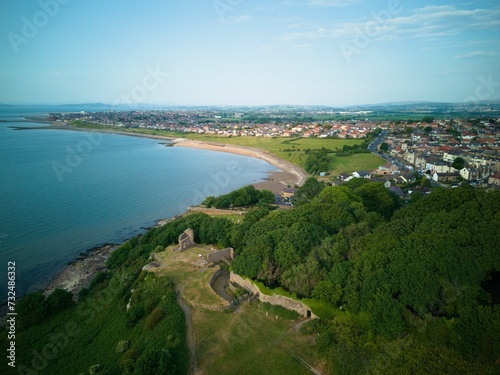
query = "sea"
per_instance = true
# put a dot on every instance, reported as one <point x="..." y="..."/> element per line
<point x="64" y="192"/>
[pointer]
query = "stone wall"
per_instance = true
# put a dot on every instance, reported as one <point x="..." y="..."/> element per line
<point x="215" y="275"/>
<point x="216" y="256"/>
<point x="186" y="240"/>
<point x="275" y="299"/>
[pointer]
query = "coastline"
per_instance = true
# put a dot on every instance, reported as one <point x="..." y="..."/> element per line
<point x="299" y="174"/>
<point x="78" y="273"/>
<point x="291" y="173"/>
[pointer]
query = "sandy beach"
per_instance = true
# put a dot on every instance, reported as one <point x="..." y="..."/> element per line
<point x="291" y="174"/>
<point x="78" y="273"/>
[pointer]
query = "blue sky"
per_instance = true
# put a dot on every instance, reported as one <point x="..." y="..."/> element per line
<point x="248" y="52"/>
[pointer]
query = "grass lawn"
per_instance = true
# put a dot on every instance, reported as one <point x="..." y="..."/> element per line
<point x="356" y="162"/>
<point x="249" y="342"/>
<point x="226" y="214"/>
<point x="194" y="281"/>
<point x="246" y="341"/>
<point x="274" y="145"/>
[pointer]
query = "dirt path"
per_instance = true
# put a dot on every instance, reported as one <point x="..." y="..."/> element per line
<point x="302" y="361"/>
<point x="191" y="337"/>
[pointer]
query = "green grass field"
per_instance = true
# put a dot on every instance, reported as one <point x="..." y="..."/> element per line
<point x="246" y="341"/>
<point x="356" y="162"/>
<point x="250" y="342"/>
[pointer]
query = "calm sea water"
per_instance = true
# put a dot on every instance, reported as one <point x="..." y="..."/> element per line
<point x="63" y="192"/>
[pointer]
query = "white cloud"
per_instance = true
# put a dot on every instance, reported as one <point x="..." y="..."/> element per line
<point x="239" y="19"/>
<point x="474" y="54"/>
<point x="432" y="21"/>
<point x="301" y="46"/>
<point x="333" y="3"/>
<point x="243" y="18"/>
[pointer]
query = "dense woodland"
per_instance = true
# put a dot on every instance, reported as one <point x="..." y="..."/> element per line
<point x="414" y="290"/>
<point x="246" y="196"/>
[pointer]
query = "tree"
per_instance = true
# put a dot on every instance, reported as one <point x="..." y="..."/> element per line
<point x="425" y="182"/>
<point x="384" y="147"/>
<point x="308" y="191"/>
<point x="377" y="198"/>
<point x="458" y="163"/>
<point x="58" y="300"/>
<point x="156" y="361"/>
<point x="32" y="309"/>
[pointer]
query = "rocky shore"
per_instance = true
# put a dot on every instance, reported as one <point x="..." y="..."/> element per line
<point x="79" y="272"/>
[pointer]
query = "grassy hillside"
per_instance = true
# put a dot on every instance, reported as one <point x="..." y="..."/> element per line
<point x="414" y="290"/>
<point x="100" y="330"/>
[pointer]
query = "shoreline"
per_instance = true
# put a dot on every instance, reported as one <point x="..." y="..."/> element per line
<point x="283" y="165"/>
<point x="299" y="175"/>
<point x="78" y="273"/>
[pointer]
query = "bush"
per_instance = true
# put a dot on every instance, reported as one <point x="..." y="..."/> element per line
<point x="156" y="361"/>
<point x="134" y="314"/>
<point x="96" y="369"/>
<point x="314" y="326"/>
<point x="122" y="346"/>
<point x="58" y="300"/>
<point x="154" y="318"/>
<point x="32" y="309"/>
<point x="84" y="292"/>
<point x="98" y="279"/>
<point x="280" y="311"/>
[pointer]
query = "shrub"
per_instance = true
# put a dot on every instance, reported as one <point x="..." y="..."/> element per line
<point x="314" y="326"/>
<point x="98" y="279"/>
<point x="134" y="314"/>
<point x="96" y="369"/>
<point x="32" y="309"/>
<point x="122" y="346"/>
<point x="154" y="318"/>
<point x="59" y="300"/>
<point x="156" y="361"/>
<point x="84" y="292"/>
<point x="280" y="311"/>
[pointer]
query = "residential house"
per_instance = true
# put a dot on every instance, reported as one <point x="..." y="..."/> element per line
<point x="288" y="193"/>
<point x="397" y="190"/>
<point x="345" y="177"/>
<point x="410" y="157"/>
<point x="439" y="166"/>
<point x="420" y="161"/>
<point x="469" y="174"/>
<point x="494" y="179"/>
<point x="362" y="174"/>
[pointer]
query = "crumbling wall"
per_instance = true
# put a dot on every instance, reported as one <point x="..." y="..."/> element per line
<point x="186" y="240"/>
<point x="217" y="256"/>
<point x="275" y="299"/>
